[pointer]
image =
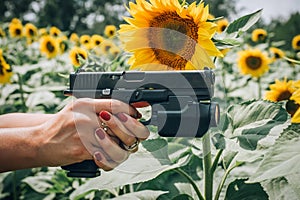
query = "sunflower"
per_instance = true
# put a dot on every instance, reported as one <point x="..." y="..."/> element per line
<point x="221" y="25"/>
<point x="30" y="32"/>
<point x="16" y="21"/>
<point x="74" y="38"/>
<point x="15" y="30"/>
<point x="114" y="51"/>
<point x="259" y="35"/>
<point x="296" y="42"/>
<point x="49" y="46"/>
<point x="42" y="32"/>
<point x="54" y="31"/>
<point x="165" y="35"/>
<point x="85" y="40"/>
<point x="5" y="70"/>
<point x="105" y="46"/>
<point x="96" y="40"/>
<point x="280" y="90"/>
<point x="76" y="54"/>
<point x="296" y="98"/>
<point x="62" y="43"/>
<point x="276" y="53"/>
<point x="285" y="91"/>
<point x="110" y="31"/>
<point x="253" y="62"/>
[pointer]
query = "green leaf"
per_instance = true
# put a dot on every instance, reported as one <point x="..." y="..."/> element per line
<point x="140" y="167"/>
<point x="280" y="188"/>
<point x="145" y="194"/>
<point x="40" y="184"/>
<point x="283" y="158"/>
<point x="183" y="197"/>
<point x="244" y="23"/>
<point x="252" y="121"/>
<point x="239" y="190"/>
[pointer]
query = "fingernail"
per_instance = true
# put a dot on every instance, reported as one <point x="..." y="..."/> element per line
<point x="98" y="156"/>
<point x="100" y="133"/>
<point x="122" y="117"/>
<point x="105" y="115"/>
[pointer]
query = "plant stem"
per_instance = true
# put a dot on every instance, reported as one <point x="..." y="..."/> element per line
<point x="223" y="181"/>
<point x="216" y="160"/>
<point x="183" y="173"/>
<point x="208" y="175"/>
<point x="259" y="88"/>
<point x="20" y="81"/>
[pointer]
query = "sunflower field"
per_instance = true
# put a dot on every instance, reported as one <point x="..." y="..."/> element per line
<point x="254" y="153"/>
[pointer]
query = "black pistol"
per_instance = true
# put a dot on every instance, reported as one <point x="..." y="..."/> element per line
<point x="180" y="101"/>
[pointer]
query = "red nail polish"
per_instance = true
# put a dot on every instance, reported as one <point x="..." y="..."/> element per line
<point x="100" y="133"/>
<point x="98" y="156"/>
<point x="139" y="115"/>
<point x="105" y="115"/>
<point x="122" y="117"/>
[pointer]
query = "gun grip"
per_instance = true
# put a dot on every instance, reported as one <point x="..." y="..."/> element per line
<point x="84" y="169"/>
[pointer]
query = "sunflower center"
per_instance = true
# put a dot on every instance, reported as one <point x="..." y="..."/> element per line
<point x="50" y="47"/>
<point x="291" y="107"/>
<point x="261" y="37"/>
<point x="111" y="32"/>
<point x="284" y="96"/>
<point x="97" y="42"/>
<point x="253" y="62"/>
<point x="223" y="28"/>
<point x="18" y="31"/>
<point x="173" y="39"/>
<point x="298" y="43"/>
<point x="277" y="55"/>
<point x="79" y="56"/>
<point x="31" y="32"/>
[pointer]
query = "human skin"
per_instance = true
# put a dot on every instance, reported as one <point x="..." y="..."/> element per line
<point x="71" y="135"/>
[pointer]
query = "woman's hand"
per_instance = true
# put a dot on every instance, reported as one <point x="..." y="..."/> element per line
<point x="85" y="129"/>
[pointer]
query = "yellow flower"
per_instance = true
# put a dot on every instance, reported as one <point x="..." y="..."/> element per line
<point x="296" y="98"/>
<point x="76" y="54"/>
<point x="280" y="91"/>
<point x="15" y="30"/>
<point x="42" y="32"/>
<point x="259" y="35"/>
<point x="276" y="53"/>
<point x="105" y="46"/>
<point x="16" y="21"/>
<point x="110" y="30"/>
<point x="221" y="25"/>
<point x="54" y="31"/>
<point x="2" y="33"/>
<point x="296" y="42"/>
<point x="49" y="46"/>
<point x="74" y="38"/>
<point x="30" y="30"/>
<point x="253" y="62"/>
<point x="96" y="40"/>
<point x="62" y="43"/>
<point x="5" y="70"/>
<point x="85" y="40"/>
<point x="164" y="35"/>
<point x="114" y="51"/>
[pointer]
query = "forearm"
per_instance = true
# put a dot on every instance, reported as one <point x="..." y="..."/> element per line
<point x="14" y="120"/>
<point x="18" y="147"/>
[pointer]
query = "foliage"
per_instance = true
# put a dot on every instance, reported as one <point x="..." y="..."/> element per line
<point x="253" y="154"/>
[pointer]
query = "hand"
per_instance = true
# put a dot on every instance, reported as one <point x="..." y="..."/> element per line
<point x="76" y="133"/>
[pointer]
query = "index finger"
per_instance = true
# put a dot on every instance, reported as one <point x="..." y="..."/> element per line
<point x="114" y="106"/>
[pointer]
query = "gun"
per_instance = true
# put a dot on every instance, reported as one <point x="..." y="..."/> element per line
<point x="181" y="104"/>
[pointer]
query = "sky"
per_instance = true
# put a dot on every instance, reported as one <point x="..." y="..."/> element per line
<point x="271" y="8"/>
